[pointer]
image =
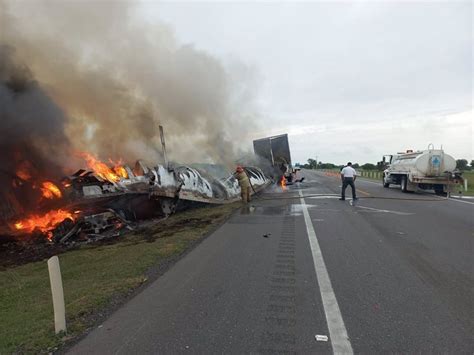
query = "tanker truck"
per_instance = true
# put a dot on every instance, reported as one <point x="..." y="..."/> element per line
<point x="430" y="169"/>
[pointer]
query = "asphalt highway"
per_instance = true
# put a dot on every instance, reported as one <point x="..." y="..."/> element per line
<point x="299" y="271"/>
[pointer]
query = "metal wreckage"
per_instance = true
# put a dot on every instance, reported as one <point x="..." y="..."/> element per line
<point x="107" y="199"/>
<point x="93" y="205"/>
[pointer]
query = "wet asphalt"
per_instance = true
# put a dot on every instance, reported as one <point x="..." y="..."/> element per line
<point x="401" y="268"/>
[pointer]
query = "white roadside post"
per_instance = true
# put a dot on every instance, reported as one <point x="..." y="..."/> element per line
<point x="465" y="184"/>
<point x="58" y="294"/>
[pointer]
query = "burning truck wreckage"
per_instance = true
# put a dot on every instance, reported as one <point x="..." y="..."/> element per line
<point x="106" y="199"/>
<point x="42" y="130"/>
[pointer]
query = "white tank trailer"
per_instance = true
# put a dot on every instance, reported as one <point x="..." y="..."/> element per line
<point x="430" y="169"/>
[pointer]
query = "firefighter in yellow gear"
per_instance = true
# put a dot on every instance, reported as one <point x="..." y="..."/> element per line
<point x="244" y="183"/>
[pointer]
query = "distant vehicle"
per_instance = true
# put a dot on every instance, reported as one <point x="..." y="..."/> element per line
<point x="431" y="169"/>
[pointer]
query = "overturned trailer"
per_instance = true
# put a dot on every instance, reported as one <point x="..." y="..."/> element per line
<point x="99" y="203"/>
<point x="180" y="183"/>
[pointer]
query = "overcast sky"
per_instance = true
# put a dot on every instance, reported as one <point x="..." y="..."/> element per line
<point x="346" y="80"/>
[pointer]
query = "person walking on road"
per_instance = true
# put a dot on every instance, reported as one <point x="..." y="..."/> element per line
<point x="244" y="184"/>
<point x="348" y="177"/>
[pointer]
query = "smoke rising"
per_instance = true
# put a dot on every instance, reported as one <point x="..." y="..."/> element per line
<point x="32" y="133"/>
<point x="112" y="79"/>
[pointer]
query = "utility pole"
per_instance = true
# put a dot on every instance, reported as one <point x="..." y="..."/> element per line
<point x="163" y="146"/>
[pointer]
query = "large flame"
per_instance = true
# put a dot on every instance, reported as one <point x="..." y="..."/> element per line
<point x="102" y="170"/>
<point x="44" y="223"/>
<point x="50" y="190"/>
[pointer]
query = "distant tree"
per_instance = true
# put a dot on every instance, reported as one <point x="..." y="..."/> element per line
<point x="472" y="164"/>
<point x="461" y="164"/>
<point x="369" y="166"/>
<point x="327" y="166"/>
<point x="381" y="166"/>
<point x="312" y="163"/>
<point x="356" y="165"/>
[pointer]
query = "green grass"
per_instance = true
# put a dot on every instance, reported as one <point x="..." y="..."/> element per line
<point x="92" y="277"/>
<point x="371" y="174"/>
<point x="469" y="176"/>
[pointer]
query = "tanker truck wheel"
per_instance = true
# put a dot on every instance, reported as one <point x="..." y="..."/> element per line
<point x="403" y="184"/>
<point x="439" y="190"/>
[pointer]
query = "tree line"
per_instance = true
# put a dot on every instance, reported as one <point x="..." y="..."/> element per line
<point x="461" y="164"/>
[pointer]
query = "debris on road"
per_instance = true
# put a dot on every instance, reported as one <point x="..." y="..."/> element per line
<point x="321" y="337"/>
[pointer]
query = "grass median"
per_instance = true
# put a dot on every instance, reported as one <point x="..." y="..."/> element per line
<point x="469" y="176"/>
<point x="95" y="278"/>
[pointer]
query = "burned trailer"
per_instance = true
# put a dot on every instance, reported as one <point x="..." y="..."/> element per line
<point x="96" y="205"/>
<point x="200" y="185"/>
<point x="180" y="183"/>
<point x="276" y="150"/>
<point x="160" y="192"/>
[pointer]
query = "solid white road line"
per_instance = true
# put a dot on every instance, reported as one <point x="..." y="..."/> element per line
<point x="337" y="330"/>
<point x="456" y="200"/>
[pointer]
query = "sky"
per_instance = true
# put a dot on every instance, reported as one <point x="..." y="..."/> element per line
<point x="348" y="81"/>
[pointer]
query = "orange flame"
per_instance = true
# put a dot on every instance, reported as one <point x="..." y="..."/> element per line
<point x="24" y="170"/>
<point x="23" y="173"/>
<point x="50" y="190"/>
<point x="283" y="182"/>
<point x="44" y="223"/>
<point x="120" y="171"/>
<point x="100" y="168"/>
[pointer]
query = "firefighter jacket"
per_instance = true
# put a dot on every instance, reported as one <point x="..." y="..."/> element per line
<point x="243" y="179"/>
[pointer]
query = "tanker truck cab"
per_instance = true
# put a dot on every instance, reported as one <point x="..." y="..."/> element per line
<point x="430" y="169"/>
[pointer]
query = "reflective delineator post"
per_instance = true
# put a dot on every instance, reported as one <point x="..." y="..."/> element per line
<point x="58" y="294"/>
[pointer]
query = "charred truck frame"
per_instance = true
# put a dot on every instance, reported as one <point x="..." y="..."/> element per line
<point x="101" y="201"/>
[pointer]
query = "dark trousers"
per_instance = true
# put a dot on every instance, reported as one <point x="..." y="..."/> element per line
<point x="345" y="182"/>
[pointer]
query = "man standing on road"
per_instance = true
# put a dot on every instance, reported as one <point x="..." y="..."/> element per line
<point x="348" y="176"/>
<point x="244" y="183"/>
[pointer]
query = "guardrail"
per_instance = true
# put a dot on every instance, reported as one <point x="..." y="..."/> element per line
<point x="369" y="174"/>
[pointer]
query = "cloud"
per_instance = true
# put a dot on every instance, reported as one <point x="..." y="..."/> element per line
<point x="368" y="142"/>
<point x="380" y="75"/>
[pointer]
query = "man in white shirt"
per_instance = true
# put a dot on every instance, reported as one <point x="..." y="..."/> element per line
<point x="348" y="176"/>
